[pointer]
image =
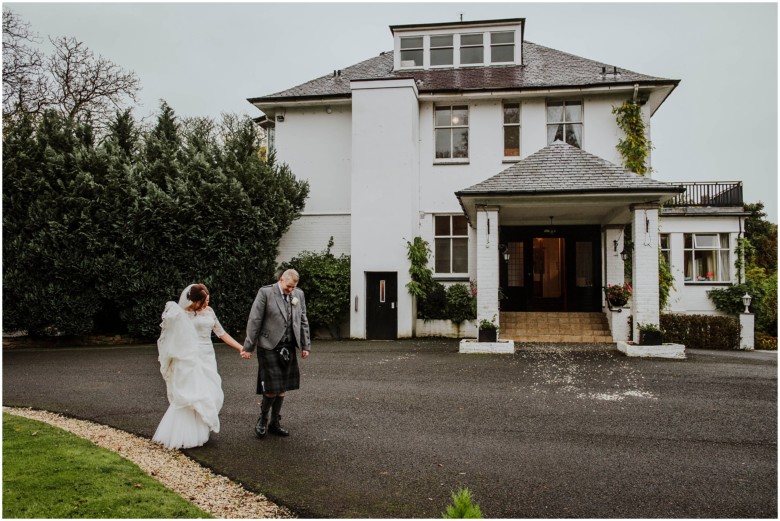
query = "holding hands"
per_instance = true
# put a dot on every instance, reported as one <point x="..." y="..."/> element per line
<point x="246" y="354"/>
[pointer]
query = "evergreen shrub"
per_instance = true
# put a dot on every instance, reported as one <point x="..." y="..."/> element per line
<point x="701" y="331"/>
<point x="463" y="506"/>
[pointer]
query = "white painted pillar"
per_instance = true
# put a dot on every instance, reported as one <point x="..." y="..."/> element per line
<point x="487" y="264"/>
<point x="644" y="305"/>
<point x="613" y="235"/>
<point x="747" y="325"/>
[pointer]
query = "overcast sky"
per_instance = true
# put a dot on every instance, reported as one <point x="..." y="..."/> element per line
<point x="203" y="59"/>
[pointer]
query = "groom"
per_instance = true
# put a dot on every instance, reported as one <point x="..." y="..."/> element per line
<point x="278" y="325"/>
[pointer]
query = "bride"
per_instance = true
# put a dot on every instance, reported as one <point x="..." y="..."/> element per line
<point x="189" y="368"/>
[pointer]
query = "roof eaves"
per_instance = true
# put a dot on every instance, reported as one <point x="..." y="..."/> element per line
<point x="502" y="193"/>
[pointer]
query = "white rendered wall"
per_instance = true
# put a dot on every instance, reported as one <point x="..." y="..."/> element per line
<point x="644" y="300"/>
<point x="318" y="148"/>
<point x="311" y="232"/>
<point x="384" y="198"/>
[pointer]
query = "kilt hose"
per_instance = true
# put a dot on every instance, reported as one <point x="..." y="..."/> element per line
<point x="274" y="375"/>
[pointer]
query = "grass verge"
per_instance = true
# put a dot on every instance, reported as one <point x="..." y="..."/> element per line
<point x="50" y="473"/>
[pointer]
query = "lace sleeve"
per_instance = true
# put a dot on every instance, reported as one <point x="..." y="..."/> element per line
<point x="218" y="328"/>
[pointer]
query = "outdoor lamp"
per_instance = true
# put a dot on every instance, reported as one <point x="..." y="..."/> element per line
<point x="746" y="299"/>
<point x="504" y="251"/>
<point x="624" y="255"/>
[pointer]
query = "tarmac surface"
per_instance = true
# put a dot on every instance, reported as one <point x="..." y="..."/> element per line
<point x="390" y="429"/>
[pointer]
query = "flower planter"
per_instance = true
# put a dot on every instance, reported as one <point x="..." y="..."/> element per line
<point x="617" y="303"/>
<point x="650" y="338"/>
<point x="488" y="335"/>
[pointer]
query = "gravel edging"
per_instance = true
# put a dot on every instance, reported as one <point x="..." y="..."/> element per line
<point x="210" y="492"/>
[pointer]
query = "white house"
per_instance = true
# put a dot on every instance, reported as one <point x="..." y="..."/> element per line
<point x="501" y="154"/>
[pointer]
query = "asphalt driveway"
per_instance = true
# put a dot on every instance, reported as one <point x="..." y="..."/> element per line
<point x="389" y="429"/>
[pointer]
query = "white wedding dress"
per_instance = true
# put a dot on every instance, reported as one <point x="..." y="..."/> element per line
<point x="189" y="368"/>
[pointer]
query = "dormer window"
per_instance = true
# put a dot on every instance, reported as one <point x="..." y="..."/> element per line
<point x="502" y="47"/>
<point x="412" y="52"/>
<point x="472" y="49"/>
<point x="442" y="50"/>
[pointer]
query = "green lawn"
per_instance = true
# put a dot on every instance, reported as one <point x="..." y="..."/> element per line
<point x="50" y="473"/>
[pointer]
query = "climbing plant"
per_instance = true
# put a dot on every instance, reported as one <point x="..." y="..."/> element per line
<point x="635" y="147"/>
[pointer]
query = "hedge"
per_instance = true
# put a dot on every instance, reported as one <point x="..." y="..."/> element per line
<point x="701" y="331"/>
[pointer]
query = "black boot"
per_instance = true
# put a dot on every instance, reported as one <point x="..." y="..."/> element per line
<point x="275" y="427"/>
<point x="261" y="428"/>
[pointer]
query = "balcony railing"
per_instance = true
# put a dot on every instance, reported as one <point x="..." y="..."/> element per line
<point x="724" y="193"/>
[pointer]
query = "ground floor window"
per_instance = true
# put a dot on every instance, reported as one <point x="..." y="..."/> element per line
<point x="707" y="257"/>
<point x="451" y="244"/>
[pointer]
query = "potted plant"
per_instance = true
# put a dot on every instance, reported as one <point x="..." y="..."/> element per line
<point x="488" y="330"/>
<point x="618" y="294"/>
<point x="650" y="335"/>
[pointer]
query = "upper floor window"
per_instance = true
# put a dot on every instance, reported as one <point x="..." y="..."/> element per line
<point x="472" y="49"/>
<point x="412" y="52"/>
<point x="442" y="50"/>
<point x="707" y="257"/>
<point x="451" y="244"/>
<point x="564" y="122"/>
<point x="511" y="130"/>
<point x="451" y="125"/>
<point x="502" y="47"/>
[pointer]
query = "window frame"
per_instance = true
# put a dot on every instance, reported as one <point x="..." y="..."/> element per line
<point x="518" y="125"/>
<point x="432" y="48"/>
<point x="461" y="47"/>
<point x="401" y="51"/>
<point x="451" y="237"/>
<point x="565" y="123"/>
<point x="494" y="45"/>
<point x="719" y="252"/>
<point x="451" y="127"/>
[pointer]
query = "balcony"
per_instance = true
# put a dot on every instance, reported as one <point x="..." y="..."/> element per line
<point x="724" y="194"/>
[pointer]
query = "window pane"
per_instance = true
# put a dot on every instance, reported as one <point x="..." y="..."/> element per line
<point x="471" y="39"/>
<point x="688" y="265"/>
<point x="573" y="111"/>
<point x="441" y="41"/>
<point x="443" y="143"/>
<point x="502" y="53"/>
<point x="502" y="37"/>
<point x="460" y="142"/>
<point x="442" y="253"/>
<point x="574" y="135"/>
<point x="706" y="241"/>
<point x="555" y="112"/>
<point x="724" y="240"/>
<point x="411" y="58"/>
<point x="706" y="265"/>
<point x="460" y="255"/>
<point x="511" y="141"/>
<point x="554" y="133"/>
<point x="665" y="255"/>
<point x="584" y="258"/>
<point x="412" y="43"/>
<point x="511" y="113"/>
<point x="459" y="226"/>
<point x="516" y="271"/>
<point x="443" y="116"/>
<point x="664" y="239"/>
<point x="441" y="56"/>
<point x="471" y="55"/>
<point x="460" y="115"/>
<point x="725" y="265"/>
<point x="688" y="238"/>
<point x="442" y="225"/>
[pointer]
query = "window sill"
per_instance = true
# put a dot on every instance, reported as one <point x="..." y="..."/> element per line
<point x="451" y="162"/>
<point x="511" y="160"/>
<point x="708" y="283"/>
<point x="451" y="278"/>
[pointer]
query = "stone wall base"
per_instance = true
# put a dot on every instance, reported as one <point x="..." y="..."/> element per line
<point x="660" y="351"/>
<point x="472" y="346"/>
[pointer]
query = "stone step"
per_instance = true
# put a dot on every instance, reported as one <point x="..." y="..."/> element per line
<point x="591" y="339"/>
<point x="555" y="327"/>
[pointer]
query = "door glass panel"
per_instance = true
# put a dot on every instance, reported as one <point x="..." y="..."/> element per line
<point x="381" y="291"/>
<point x="548" y="269"/>
<point x="584" y="256"/>
<point x="516" y="267"/>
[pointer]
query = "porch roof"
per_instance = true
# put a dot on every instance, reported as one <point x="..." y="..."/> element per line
<point x="561" y="173"/>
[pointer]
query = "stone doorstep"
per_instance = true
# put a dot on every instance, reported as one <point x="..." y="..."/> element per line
<point x="473" y="346"/>
<point x="676" y="351"/>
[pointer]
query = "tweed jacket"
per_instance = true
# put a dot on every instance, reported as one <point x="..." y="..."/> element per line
<point x="266" y="324"/>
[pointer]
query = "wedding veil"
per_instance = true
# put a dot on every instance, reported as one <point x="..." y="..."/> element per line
<point x="185" y="302"/>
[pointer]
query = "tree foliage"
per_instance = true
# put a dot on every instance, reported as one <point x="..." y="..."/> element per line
<point x="762" y="235"/>
<point x="325" y="281"/>
<point x="99" y="236"/>
<point x="635" y="147"/>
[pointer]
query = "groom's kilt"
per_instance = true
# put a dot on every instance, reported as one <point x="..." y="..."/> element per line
<point x="274" y="375"/>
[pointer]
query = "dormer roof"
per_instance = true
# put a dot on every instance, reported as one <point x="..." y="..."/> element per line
<point x="543" y="69"/>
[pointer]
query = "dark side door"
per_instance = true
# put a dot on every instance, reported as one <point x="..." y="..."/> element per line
<point x="381" y="305"/>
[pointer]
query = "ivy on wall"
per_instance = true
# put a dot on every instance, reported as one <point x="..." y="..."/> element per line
<point x="635" y="148"/>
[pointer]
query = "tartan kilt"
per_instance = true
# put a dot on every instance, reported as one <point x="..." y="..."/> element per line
<point x="273" y="376"/>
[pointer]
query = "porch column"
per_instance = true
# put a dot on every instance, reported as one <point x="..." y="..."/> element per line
<point x="487" y="264"/>
<point x="644" y="304"/>
<point x="613" y="235"/>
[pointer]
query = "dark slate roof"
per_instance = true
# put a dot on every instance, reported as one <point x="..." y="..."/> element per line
<point x="543" y="68"/>
<point x="561" y="168"/>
